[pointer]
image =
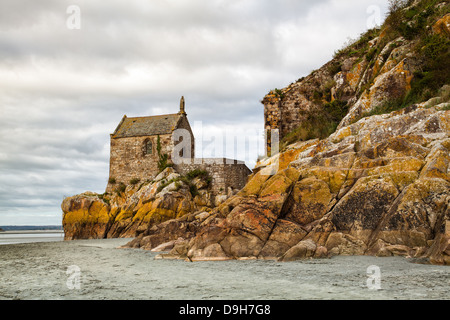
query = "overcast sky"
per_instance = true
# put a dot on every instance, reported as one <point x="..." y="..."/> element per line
<point x="65" y="83"/>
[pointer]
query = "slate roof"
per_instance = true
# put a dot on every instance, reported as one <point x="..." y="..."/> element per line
<point x="147" y="126"/>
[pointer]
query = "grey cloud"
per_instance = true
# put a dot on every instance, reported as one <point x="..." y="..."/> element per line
<point x="187" y="32"/>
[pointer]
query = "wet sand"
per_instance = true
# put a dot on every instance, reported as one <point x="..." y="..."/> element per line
<point x="51" y="270"/>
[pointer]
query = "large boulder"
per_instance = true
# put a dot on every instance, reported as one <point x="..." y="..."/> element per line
<point x="85" y="216"/>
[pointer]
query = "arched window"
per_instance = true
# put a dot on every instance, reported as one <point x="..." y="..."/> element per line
<point x="148" y="147"/>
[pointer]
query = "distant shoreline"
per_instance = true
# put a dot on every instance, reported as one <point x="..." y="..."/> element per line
<point x="12" y="237"/>
<point x="27" y="229"/>
<point x="30" y="231"/>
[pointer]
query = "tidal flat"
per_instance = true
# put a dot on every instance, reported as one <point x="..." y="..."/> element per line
<point x="99" y="269"/>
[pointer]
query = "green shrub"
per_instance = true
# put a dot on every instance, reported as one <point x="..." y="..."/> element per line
<point x="193" y="190"/>
<point x="395" y="14"/>
<point x="411" y="28"/>
<point x="435" y="49"/>
<point x="112" y="180"/>
<point x="104" y="198"/>
<point x="371" y="54"/>
<point x="121" y="188"/>
<point x="163" y="185"/>
<point x="317" y="95"/>
<point x="411" y="13"/>
<point x="203" y="174"/>
<point x="187" y="179"/>
<point x="387" y="107"/>
<point x="412" y="23"/>
<point x="163" y="158"/>
<point x="336" y="110"/>
<point x="327" y="90"/>
<point x="196" y="173"/>
<point x="335" y="67"/>
<point x="358" y="47"/>
<point x="435" y="54"/>
<point x="279" y="93"/>
<point x="318" y="124"/>
<point x="134" y="181"/>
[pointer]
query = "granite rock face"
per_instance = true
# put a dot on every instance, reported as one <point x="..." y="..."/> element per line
<point x="380" y="186"/>
<point x="135" y="208"/>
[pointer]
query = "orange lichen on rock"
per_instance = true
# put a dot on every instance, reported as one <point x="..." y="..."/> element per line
<point x="442" y="26"/>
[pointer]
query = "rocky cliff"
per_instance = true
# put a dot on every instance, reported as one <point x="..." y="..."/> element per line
<point x="405" y="62"/>
<point x="130" y="210"/>
<point x="363" y="168"/>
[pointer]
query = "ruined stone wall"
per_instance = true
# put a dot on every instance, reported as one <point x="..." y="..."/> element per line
<point x="287" y="108"/>
<point x="225" y="173"/>
<point x="272" y="117"/>
<point x="294" y="108"/>
<point x="283" y="114"/>
<point x="129" y="160"/>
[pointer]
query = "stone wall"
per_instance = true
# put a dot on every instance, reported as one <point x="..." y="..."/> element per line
<point x="128" y="159"/>
<point x="225" y="173"/>
<point x="272" y="117"/>
<point x="294" y="111"/>
<point x="288" y="108"/>
<point x="283" y="114"/>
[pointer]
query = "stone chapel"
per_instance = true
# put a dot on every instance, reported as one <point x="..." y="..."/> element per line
<point x="134" y="153"/>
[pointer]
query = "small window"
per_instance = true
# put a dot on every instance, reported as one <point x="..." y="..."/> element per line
<point x="149" y="147"/>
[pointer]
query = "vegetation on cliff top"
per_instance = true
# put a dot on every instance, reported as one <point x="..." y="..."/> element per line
<point x="188" y="180"/>
<point x="411" y="24"/>
<point x="432" y="49"/>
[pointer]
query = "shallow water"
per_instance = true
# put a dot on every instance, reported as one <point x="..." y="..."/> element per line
<point x="52" y="270"/>
<point x="14" y="237"/>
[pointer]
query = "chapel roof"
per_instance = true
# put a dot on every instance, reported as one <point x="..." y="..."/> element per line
<point x="147" y="126"/>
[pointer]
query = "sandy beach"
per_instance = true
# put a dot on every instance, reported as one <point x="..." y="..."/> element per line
<point x="97" y="269"/>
